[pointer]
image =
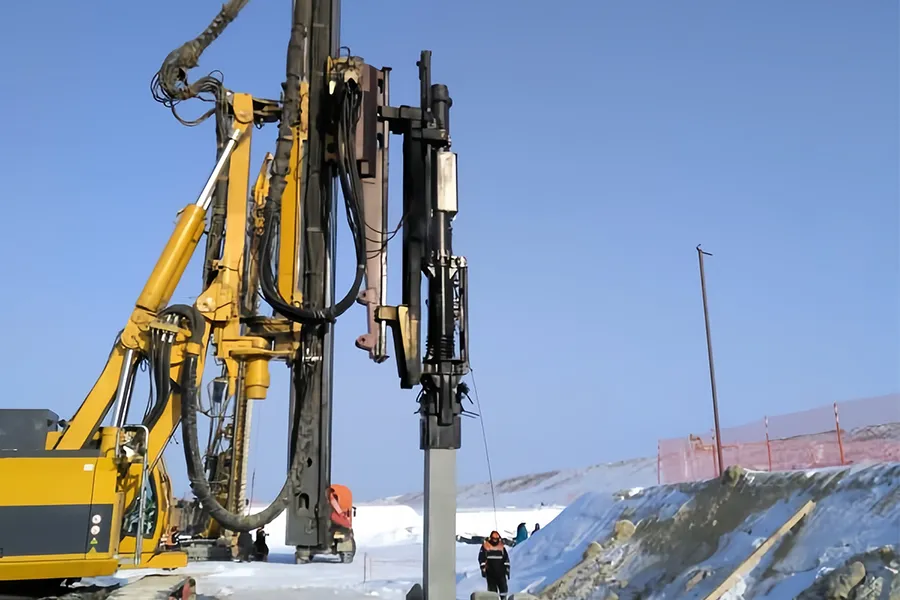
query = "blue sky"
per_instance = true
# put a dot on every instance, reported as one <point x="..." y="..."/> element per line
<point x="599" y="143"/>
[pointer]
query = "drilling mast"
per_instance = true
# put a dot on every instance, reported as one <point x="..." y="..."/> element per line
<point x="430" y="203"/>
<point x="312" y="283"/>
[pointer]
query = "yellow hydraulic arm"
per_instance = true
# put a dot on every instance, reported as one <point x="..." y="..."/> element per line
<point x="127" y="474"/>
<point x="99" y="472"/>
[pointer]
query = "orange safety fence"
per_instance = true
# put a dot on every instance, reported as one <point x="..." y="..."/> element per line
<point x="844" y="433"/>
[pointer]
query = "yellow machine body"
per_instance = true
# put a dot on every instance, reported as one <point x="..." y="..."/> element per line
<point x="64" y="513"/>
<point x="50" y="502"/>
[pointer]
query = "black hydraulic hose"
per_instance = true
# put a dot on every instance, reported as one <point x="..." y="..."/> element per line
<point x="190" y="394"/>
<point x="172" y="75"/>
<point x="267" y="278"/>
<point x="161" y="354"/>
<point x="160" y="366"/>
<point x="192" y="315"/>
<point x="171" y="86"/>
<point x="280" y="169"/>
<point x="268" y="284"/>
<point x="199" y="484"/>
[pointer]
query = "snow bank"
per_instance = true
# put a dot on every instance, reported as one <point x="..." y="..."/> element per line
<point x="553" y="488"/>
<point x="383" y="525"/>
<point x="558" y="547"/>
<point x="373" y="526"/>
<point x="860" y="514"/>
<point x="700" y="532"/>
<point x="482" y="522"/>
<point x="528" y="499"/>
<point x="386" y="525"/>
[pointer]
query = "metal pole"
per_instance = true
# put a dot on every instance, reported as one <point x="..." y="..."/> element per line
<point x="658" y="463"/>
<point x="141" y="498"/>
<point x="206" y="194"/>
<point x="439" y="577"/>
<point x="308" y="526"/>
<point x="712" y="368"/>
<point x="123" y="398"/>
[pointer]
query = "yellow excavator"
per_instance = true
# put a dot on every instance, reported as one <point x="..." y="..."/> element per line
<point x="89" y="495"/>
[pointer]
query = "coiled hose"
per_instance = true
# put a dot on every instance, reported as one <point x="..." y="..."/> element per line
<point x="190" y="395"/>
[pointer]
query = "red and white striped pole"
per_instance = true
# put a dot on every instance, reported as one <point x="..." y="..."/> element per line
<point x="837" y="425"/>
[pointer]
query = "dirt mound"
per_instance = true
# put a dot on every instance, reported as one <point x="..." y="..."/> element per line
<point x="870" y="576"/>
<point x="688" y="553"/>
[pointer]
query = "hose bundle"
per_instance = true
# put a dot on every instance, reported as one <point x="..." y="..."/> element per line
<point x="170" y="85"/>
<point x="349" y="103"/>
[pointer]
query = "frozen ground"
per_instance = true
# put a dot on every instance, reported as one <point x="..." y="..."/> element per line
<point x="685" y="536"/>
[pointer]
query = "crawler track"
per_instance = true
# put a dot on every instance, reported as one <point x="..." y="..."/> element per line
<point x="57" y="593"/>
<point x="151" y="587"/>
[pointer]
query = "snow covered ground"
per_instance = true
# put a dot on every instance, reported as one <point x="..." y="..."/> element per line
<point x="389" y="538"/>
<point x="388" y="562"/>
<point x="704" y="528"/>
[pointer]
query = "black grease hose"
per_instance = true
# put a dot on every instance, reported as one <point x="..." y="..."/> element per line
<point x="170" y="85"/>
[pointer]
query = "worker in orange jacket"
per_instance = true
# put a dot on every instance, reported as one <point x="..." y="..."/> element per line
<point x="494" y="561"/>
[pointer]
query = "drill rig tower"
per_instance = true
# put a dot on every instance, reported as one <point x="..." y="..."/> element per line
<point x="278" y="239"/>
<point x="429" y="206"/>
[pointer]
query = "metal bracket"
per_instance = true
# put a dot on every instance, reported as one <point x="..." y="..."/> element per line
<point x="405" y="332"/>
<point x="128" y="451"/>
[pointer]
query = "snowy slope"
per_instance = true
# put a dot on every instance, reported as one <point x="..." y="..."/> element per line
<point x="712" y="526"/>
<point x="553" y="488"/>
